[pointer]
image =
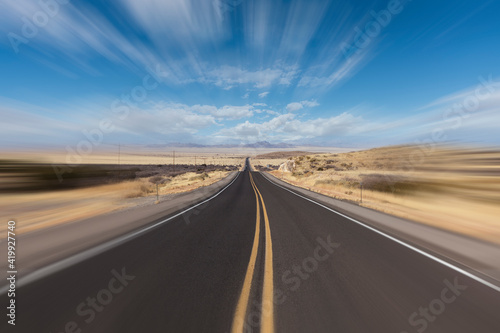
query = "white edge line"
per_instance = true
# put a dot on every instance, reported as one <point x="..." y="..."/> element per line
<point x="79" y="257"/>
<point x="411" y="247"/>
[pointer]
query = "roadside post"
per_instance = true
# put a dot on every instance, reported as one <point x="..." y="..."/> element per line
<point x="361" y="185"/>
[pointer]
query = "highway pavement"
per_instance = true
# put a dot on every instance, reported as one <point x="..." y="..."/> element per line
<point x="256" y="258"/>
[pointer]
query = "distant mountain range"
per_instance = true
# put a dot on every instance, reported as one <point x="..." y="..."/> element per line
<point x="260" y="144"/>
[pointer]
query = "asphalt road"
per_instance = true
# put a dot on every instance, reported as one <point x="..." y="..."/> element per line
<point x="257" y="258"/>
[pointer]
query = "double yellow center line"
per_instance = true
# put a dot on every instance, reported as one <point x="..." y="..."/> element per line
<point x="267" y="309"/>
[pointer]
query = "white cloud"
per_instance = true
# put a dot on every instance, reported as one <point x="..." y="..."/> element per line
<point x="271" y="112"/>
<point x="468" y="115"/>
<point x="310" y="104"/>
<point x="264" y="110"/>
<point x="234" y="112"/>
<point x="228" y="112"/>
<point x="465" y="116"/>
<point x="447" y="113"/>
<point x="168" y="122"/>
<point x="189" y="19"/>
<point x="343" y="71"/>
<point x="162" y="121"/>
<point x="229" y="76"/>
<point x="287" y="127"/>
<point x="264" y="94"/>
<point x="295" y="106"/>
<point x="20" y="125"/>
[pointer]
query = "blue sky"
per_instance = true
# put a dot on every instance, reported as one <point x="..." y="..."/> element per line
<point x="339" y="73"/>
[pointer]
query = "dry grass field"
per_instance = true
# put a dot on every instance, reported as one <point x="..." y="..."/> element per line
<point x="448" y="187"/>
<point x="33" y="195"/>
<point x="275" y="158"/>
<point x="129" y="154"/>
<point x="41" y="209"/>
<point x="134" y="155"/>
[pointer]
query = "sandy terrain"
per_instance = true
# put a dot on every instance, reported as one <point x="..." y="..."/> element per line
<point x="452" y="188"/>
